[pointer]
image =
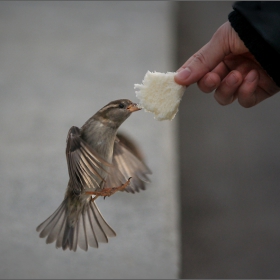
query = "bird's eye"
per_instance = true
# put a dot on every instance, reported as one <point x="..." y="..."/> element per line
<point x="121" y="105"/>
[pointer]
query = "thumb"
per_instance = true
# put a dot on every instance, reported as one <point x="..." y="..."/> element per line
<point x="204" y="60"/>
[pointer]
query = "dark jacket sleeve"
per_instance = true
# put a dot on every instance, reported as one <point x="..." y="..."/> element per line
<point x="258" y="26"/>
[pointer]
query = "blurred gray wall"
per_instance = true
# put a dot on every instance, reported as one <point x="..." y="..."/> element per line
<point x="229" y="164"/>
<point x="60" y="62"/>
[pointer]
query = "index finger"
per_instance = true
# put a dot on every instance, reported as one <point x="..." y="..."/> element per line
<point x="206" y="59"/>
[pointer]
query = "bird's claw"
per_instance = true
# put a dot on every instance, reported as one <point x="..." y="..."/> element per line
<point x="107" y="191"/>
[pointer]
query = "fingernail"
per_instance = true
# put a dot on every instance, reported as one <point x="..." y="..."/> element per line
<point x="251" y="76"/>
<point x="210" y="83"/>
<point x="183" y="74"/>
<point x="232" y="80"/>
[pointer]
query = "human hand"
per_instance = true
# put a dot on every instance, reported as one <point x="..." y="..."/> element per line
<point x="225" y="65"/>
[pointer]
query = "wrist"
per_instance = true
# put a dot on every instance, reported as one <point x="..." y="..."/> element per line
<point x="266" y="55"/>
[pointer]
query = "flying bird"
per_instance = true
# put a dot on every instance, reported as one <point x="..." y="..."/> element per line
<point x="99" y="164"/>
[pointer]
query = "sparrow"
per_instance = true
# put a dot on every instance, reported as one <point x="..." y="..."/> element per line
<point x="99" y="165"/>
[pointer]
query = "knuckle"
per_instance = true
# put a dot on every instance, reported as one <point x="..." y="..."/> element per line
<point x="202" y="85"/>
<point x="220" y="101"/>
<point x="200" y="58"/>
<point x="246" y="99"/>
<point x="224" y="98"/>
<point x="246" y="104"/>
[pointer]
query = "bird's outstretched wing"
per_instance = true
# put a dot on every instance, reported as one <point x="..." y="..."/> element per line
<point x="127" y="164"/>
<point x="85" y="166"/>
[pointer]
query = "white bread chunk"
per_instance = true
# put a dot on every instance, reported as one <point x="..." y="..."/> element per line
<point x="160" y="95"/>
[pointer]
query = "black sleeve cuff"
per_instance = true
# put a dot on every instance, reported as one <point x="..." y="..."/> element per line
<point x="267" y="56"/>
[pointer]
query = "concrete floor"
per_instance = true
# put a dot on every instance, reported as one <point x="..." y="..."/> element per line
<point x="60" y="63"/>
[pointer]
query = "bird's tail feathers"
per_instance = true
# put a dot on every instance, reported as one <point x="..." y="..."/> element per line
<point x="86" y="229"/>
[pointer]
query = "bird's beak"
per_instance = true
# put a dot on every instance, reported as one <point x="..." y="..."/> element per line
<point x="133" y="107"/>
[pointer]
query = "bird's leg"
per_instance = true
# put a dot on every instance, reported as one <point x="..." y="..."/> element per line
<point x="122" y="187"/>
<point x="107" y="191"/>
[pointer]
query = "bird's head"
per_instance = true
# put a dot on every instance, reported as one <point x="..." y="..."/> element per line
<point x="116" y="112"/>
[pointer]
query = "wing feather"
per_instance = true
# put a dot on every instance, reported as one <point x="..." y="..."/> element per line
<point x="85" y="167"/>
<point x="127" y="165"/>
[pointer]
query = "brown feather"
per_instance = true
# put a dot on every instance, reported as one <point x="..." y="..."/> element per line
<point x="96" y="159"/>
